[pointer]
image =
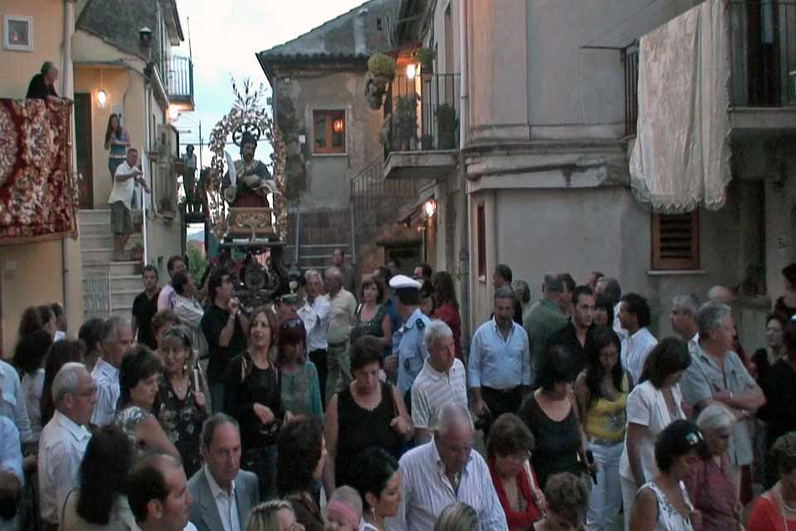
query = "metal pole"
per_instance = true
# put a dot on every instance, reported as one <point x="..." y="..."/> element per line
<point x="201" y="144"/>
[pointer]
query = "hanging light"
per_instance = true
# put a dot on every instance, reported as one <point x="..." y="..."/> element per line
<point x="411" y="70"/>
<point x="102" y="97"/>
<point x="430" y="207"/>
<point x="338" y="126"/>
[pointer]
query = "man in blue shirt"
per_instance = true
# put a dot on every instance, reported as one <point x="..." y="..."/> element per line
<point x="411" y="351"/>
<point x="499" y="368"/>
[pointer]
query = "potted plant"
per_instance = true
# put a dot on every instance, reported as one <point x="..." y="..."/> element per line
<point x="405" y="121"/>
<point x="426" y="58"/>
<point x="381" y="70"/>
<point x="446" y="125"/>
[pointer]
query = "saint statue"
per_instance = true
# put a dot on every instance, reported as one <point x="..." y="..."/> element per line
<point x="247" y="180"/>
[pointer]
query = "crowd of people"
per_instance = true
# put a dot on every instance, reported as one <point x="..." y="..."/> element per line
<point x="367" y="410"/>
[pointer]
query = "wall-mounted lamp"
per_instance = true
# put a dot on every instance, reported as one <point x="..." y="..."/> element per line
<point x="338" y="126"/>
<point x="174" y="112"/>
<point x="102" y="97"/>
<point x="430" y="208"/>
<point x="411" y="71"/>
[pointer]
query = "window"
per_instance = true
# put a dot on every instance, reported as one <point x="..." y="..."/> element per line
<point x="18" y="33"/>
<point x="675" y="241"/>
<point x="480" y="222"/>
<point x="329" y="131"/>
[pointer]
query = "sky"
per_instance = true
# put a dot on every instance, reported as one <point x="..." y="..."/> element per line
<point x="224" y="36"/>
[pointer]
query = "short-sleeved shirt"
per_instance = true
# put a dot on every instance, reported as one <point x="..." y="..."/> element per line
<point x="432" y="390"/>
<point x="213" y="322"/>
<point x="123" y="190"/>
<point x="411" y="350"/>
<point x="144" y="309"/>
<point x="703" y="378"/>
<point x="341" y="316"/>
<point x="646" y="407"/>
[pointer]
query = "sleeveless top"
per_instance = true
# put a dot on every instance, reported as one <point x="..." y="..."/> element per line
<point x="668" y="517"/>
<point x="128" y="420"/>
<point x="606" y="419"/>
<point x="359" y="429"/>
<point x="557" y="443"/>
<point x="368" y="328"/>
<point x="118" y="151"/>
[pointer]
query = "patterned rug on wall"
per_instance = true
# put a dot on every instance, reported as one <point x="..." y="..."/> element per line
<point x="38" y="196"/>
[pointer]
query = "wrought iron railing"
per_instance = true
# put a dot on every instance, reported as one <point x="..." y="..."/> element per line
<point x="422" y="113"/>
<point x="377" y="199"/>
<point x="763" y="53"/>
<point x="630" y="57"/>
<point x="180" y="77"/>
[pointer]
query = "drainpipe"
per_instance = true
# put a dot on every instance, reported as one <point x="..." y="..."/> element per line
<point x="464" y="113"/>
<point x="68" y="91"/>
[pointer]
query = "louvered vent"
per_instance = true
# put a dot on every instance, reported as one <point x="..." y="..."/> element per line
<point x="675" y="241"/>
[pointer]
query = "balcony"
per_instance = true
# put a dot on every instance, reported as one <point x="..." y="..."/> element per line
<point x="763" y="60"/>
<point x="421" y="126"/>
<point x="180" y="83"/>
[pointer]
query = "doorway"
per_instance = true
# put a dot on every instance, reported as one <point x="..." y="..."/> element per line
<point x="83" y="143"/>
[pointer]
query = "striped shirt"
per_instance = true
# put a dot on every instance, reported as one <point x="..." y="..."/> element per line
<point x="427" y="491"/>
<point x="106" y="377"/>
<point x="433" y="389"/>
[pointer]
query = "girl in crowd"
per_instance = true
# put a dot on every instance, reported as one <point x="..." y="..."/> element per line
<point x="274" y="515"/>
<point x="654" y="404"/>
<point x="446" y="307"/>
<point x="182" y="397"/>
<point x="301" y="455"/>
<point x="29" y="358"/>
<point x="567" y="500"/>
<point x="371" y="317"/>
<point x="508" y="452"/>
<point x="662" y="504"/>
<point x="101" y="501"/>
<point x="709" y="485"/>
<point x="368" y="413"/>
<point x="59" y="354"/>
<point x="457" y="517"/>
<point x="91" y="335"/>
<point x="775" y="510"/>
<point x="551" y="415"/>
<point x="603" y="311"/>
<point x="787" y="303"/>
<point x="764" y="358"/>
<point x="139" y="374"/>
<point x="252" y="396"/>
<point x="378" y="480"/>
<point x="301" y="391"/>
<point x="602" y="391"/>
<point x="117" y="141"/>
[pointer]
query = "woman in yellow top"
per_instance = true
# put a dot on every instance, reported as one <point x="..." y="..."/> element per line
<point x="601" y="390"/>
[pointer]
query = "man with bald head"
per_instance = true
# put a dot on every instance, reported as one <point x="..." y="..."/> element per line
<point x="721" y="294"/>
<point x="445" y="471"/>
<point x="158" y="494"/>
<point x="64" y="439"/>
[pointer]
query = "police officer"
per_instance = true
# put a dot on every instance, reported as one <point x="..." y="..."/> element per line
<point x="411" y="351"/>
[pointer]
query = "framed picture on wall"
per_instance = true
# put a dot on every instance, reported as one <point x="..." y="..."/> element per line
<point x="18" y="33"/>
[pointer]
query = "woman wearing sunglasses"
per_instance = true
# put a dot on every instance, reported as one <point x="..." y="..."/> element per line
<point x="662" y="504"/>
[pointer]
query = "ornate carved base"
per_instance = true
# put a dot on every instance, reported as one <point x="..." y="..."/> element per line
<point x="250" y="221"/>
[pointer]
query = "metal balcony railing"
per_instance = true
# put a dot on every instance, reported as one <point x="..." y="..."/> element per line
<point x="376" y="199"/>
<point x="422" y="113"/>
<point x="763" y="53"/>
<point x="180" y="78"/>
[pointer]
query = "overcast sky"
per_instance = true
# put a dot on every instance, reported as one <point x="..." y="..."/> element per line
<point x="224" y="38"/>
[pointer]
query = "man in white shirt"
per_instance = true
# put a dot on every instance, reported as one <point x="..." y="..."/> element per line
<point x="222" y="495"/>
<point x="117" y="336"/>
<point x="121" y="201"/>
<point x="64" y="439"/>
<point x="635" y="316"/>
<point x="446" y="471"/>
<point x="11" y="476"/>
<point x="441" y="381"/>
<point x="343" y="306"/>
<point x="153" y="511"/>
<point x="13" y="403"/>
<point x="315" y="316"/>
<point x="683" y="320"/>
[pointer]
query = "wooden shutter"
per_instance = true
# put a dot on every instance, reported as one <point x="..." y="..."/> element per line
<point x="480" y="222"/>
<point x="675" y="241"/>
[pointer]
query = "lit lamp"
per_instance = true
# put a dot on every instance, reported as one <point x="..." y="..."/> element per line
<point x="338" y="126"/>
<point x="102" y="97"/>
<point x="411" y="70"/>
<point x="430" y="207"/>
<point x="174" y="112"/>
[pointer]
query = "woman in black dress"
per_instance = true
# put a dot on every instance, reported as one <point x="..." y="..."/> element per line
<point x="368" y="413"/>
<point x="252" y="396"/>
<point x="551" y="415"/>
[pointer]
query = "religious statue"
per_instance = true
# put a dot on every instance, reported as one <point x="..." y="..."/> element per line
<point x="247" y="180"/>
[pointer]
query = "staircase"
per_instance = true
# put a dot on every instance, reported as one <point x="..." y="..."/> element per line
<point x="108" y="287"/>
<point x="319" y="234"/>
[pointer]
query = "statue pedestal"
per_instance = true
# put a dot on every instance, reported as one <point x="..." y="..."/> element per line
<point x="252" y="222"/>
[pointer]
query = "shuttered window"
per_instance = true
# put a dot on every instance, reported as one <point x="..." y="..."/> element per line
<point x="675" y="241"/>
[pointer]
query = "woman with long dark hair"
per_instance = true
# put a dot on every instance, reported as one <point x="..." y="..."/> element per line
<point x="301" y="455"/>
<point x="90" y="334"/>
<point x="117" y="141"/>
<point x="59" y="354"/>
<point x="29" y="358"/>
<point x="100" y="503"/>
<point x="300" y="388"/>
<point x="601" y="391"/>
<point x="446" y="307"/>
<point x="378" y="481"/>
<point x="252" y="396"/>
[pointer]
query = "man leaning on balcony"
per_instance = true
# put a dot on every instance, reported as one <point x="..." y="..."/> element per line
<point x="121" y="200"/>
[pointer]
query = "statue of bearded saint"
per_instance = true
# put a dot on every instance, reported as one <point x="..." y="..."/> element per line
<point x="252" y="182"/>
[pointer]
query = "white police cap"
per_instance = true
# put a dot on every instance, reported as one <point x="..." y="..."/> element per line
<point x="404" y="282"/>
